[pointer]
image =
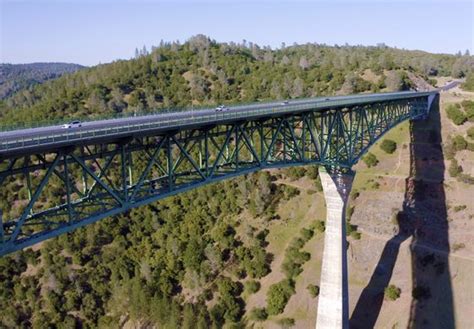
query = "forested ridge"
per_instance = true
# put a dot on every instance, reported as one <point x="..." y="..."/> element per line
<point x="185" y="261"/>
<point x="202" y="71"/>
<point x="14" y="77"/>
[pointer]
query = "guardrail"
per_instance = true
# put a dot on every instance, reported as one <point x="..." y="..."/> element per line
<point x="158" y="123"/>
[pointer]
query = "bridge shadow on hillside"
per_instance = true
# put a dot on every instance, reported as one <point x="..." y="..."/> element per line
<point x="423" y="220"/>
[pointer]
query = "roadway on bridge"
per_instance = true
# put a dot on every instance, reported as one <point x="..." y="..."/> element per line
<point x="11" y="139"/>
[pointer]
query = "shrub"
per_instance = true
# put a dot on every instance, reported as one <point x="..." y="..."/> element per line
<point x="320" y="226"/>
<point x="458" y="246"/>
<point x="459" y="208"/>
<point x="295" y="173"/>
<point x="312" y="172"/>
<point x="307" y="234"/>
<point x="370" y="160"/>
<point x="252" y="286"/>
<point x="355" y="194"/>
<point x="290" y="192"/>
<point x="454" y="168"/>
<point x="286" y="322"/>
<point x="350" y="212"/>
<point x="355" y="235"/>
<point x="392" y="292"/>
<point x="470" y="133"/>
<point x="469" y="83"/>
<point x="350" y="228"/>
<point x="455" y="114"/>
<point x="278" y="295"/>
<point x="389" y="146"/>
<point x="469" y="109"/>
<point x="459" y="143"/>
<point x="313" y="290"/>
<point x="258" y="314"/>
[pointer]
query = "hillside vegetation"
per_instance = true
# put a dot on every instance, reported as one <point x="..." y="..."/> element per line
<point x="202" y="71"/>
<point x="225" y="255"/>
<point x="14" y="77"/>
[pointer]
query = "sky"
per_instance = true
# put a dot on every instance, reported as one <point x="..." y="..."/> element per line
<point x="90" y="32"/>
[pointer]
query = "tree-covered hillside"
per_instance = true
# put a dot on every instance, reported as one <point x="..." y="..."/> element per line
<point x="202" y="71"/>
<point x="14" y="77"/>
<point x="193" y="260"/>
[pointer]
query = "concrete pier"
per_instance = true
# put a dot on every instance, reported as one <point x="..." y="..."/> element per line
<point x="333" y="305"/>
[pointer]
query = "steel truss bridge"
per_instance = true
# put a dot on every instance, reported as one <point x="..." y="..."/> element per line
<point x="55" y="180"/>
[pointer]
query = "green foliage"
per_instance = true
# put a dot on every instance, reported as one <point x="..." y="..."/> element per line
<point x="469" y="83"/>
<point x="356" y="235"/>
<point x="24" y="76"/>
<point x="354" y="194"/>
<point x="388" y="145"/>
<point x="306" y="234"/>
<point x="350" y="228"/>
<point x="295" y="173"/>
<point x="468" y="107"/>
<point x="313" y="290"/>
<point x="262" y="199"/>
<point x="232" y="306"/>
<point x="459" y="208"/>
<point x="350" y="212"/>
<point x="470" y="132"/>
<point x="137" y="263"/>
<point x="320" y="226"/>
<point x="312" y="172"/>
<point x="458" y="246"/>
<point x="286" y="322"/>
<point x="459" y="143"/>
<point x="253" y="261"/>
<point x="455" y="114"/>
<point x="392" y="292"/>
<point x="252" y="286"/>
<point x="370" y="160"/>
<point x="278" y="295"/>
<point x="258" y="314"/>
<point x="294" y="257"/>
<point x="454" y="168"/>
<point x="290" y="192"/>
<point x="206" y="72"/>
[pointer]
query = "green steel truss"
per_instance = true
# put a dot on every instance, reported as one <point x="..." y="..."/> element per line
<point x="48" y="194"/>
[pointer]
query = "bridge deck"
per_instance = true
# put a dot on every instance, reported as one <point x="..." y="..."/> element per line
<point x="43" y="138"/>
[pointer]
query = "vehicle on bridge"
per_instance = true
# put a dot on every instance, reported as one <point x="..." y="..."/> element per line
<point x="221" y="108"/>
<point x="72" y="124"/>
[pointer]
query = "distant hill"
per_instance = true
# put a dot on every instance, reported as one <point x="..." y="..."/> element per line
<point x="14" y="77"/>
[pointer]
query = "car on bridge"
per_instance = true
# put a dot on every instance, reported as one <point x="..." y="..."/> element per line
<point x="221" y="108"/>
<point x="285" y="103"/>
<point x="72" y="124"/>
